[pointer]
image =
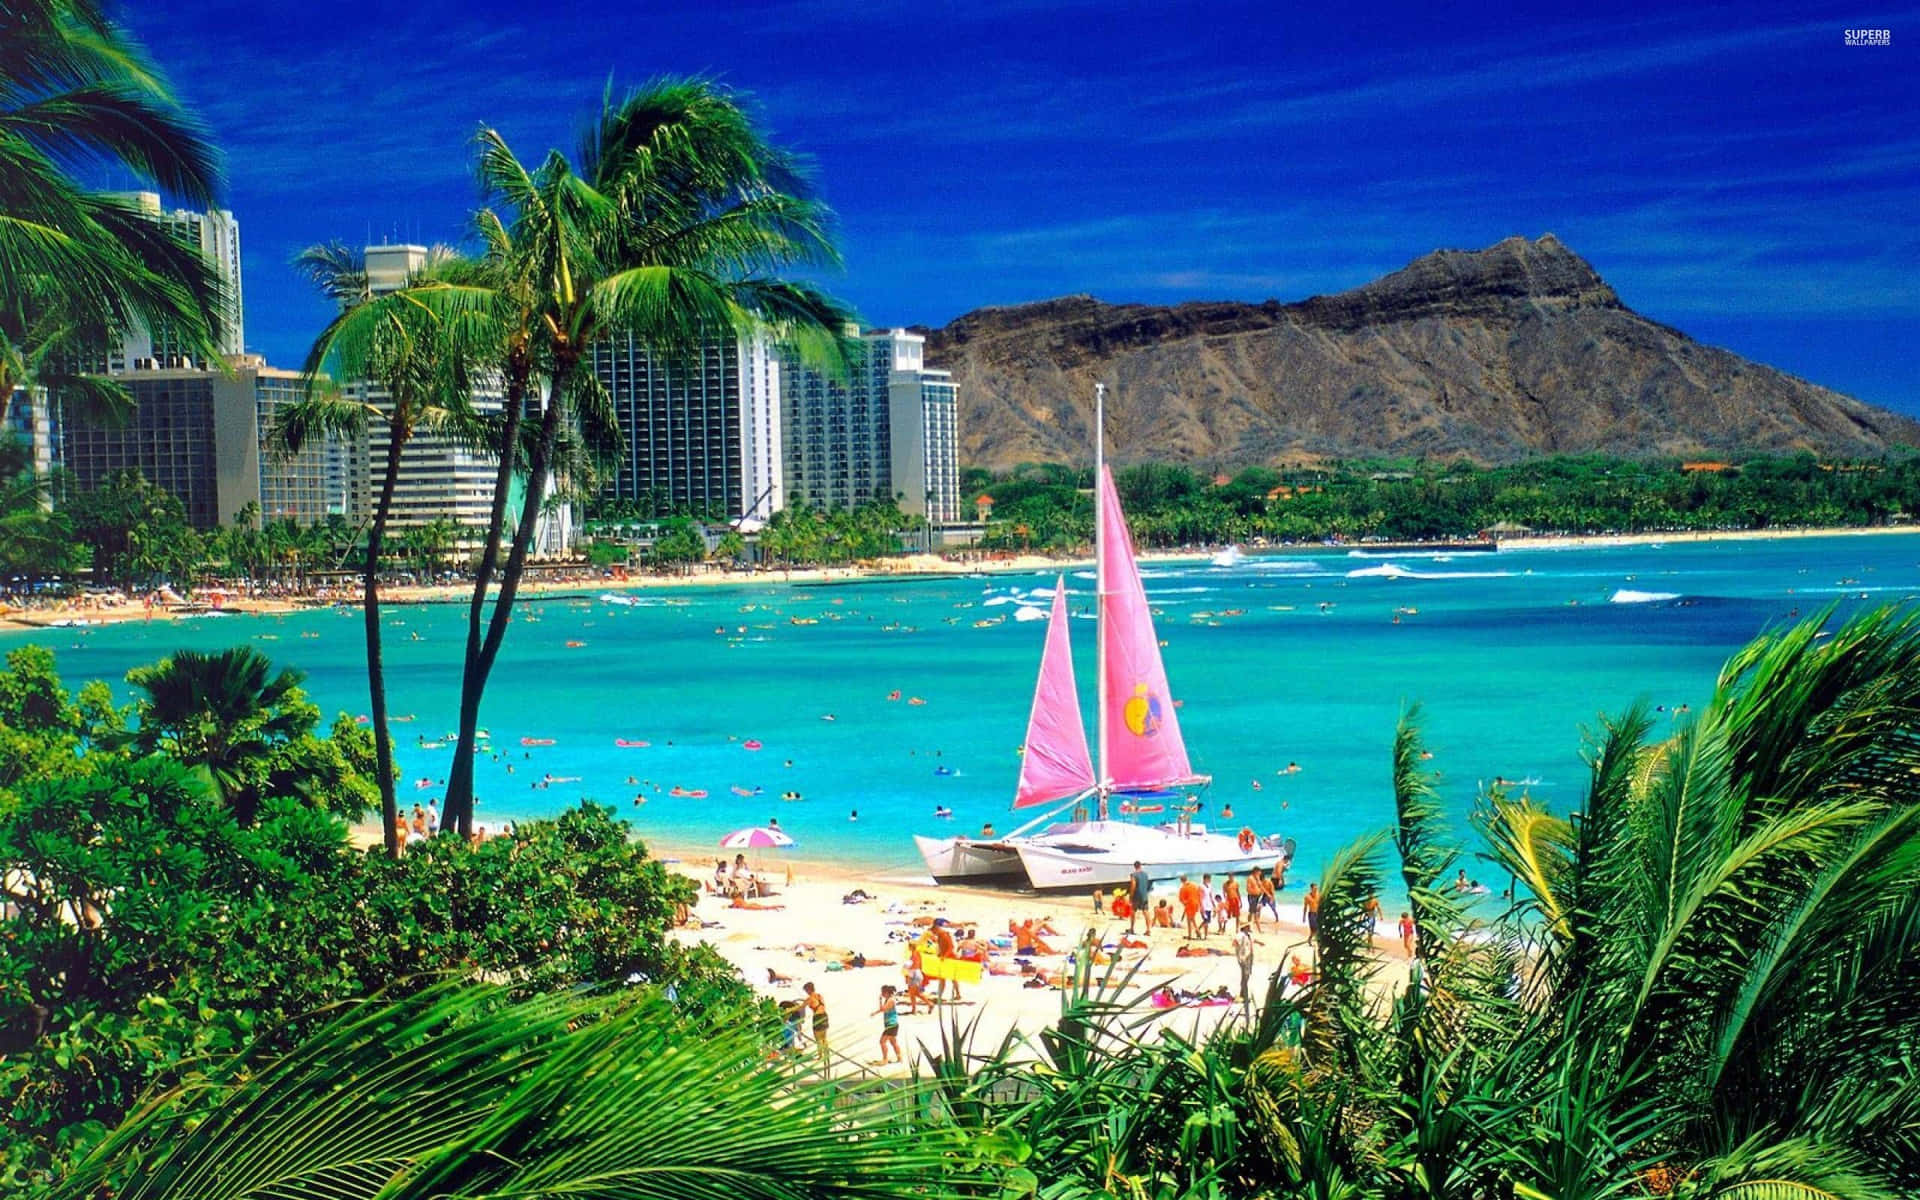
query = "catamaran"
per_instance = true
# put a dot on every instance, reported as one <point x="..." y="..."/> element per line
<point x="1055" y="770"/>
<point x="1144" y="768"/>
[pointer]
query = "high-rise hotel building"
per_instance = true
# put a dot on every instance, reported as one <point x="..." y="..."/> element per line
<point x="203" y="436"/>
<point x="441" y="478"/>
<point x="216" y="235"/>
<point x="198" y="431"/>
<point x="700" y="433"/>
<point x="884" y="431"/>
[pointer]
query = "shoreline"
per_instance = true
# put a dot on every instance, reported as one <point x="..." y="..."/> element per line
<point x="85" y="615"/>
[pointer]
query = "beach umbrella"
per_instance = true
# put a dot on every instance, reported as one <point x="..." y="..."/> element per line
<point x="758" y="837"/>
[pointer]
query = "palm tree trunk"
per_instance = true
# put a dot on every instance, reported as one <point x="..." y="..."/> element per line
<point x="376" y="669"/>
<point x="475" y="680"/>
<point x="459" y="798"/>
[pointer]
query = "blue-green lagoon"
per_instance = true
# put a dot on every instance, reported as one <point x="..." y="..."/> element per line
<point x="1303" y="658"/>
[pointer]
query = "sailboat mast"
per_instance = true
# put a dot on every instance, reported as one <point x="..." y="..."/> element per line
<point x="1100" y="588"/>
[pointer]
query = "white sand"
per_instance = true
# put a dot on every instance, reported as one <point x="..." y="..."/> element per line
<point x="815" y="928"/>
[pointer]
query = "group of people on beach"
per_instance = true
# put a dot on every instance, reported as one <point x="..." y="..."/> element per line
<point x="740" y="884"/>
<point x="411" y="829"/>
<point x="1202" y="905"/>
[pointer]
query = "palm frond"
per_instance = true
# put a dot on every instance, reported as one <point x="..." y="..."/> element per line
<point x="457" y="1091"/>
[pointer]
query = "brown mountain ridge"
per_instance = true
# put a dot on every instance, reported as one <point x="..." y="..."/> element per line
<point x="1496" y="355"/>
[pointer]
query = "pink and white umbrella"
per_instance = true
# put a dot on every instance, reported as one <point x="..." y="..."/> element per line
<point x="758" y="837"/>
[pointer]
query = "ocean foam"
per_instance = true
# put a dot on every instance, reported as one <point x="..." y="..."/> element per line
<point x="1396" y="571"/>
<point x="1630" y="596"/>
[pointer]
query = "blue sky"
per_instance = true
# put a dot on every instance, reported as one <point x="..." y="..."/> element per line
<point x="1738" y="172"/>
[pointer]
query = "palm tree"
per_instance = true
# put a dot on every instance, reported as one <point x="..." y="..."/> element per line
<point x="77" y="268"/>
<point x="1737" y="909"/>
<point x="672" y="223"/>
<point x="458" y="1092"/>
<point x="225" y="712"/>
<point x="409" y="365"/>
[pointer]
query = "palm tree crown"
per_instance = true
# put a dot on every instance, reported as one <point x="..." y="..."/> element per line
<point x="77" y="267"/>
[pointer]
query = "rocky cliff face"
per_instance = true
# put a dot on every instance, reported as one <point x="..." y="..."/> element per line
<point x="1497" y="354"/>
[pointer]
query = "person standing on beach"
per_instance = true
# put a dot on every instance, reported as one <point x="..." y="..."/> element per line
<point x="1254" y="899"/>
<point x="1310" y="911"/>
<point x="945" y="949"/>
<point x="1142" y="892"/>
<point x="817" y="1005"/>
<point x="889" y="1014"/>
<point x="1190" y="906"/>
<point x="1230" y="901"/>
<point x="1406" y="933"/>
<point x="1243" y="954"/>
<point x="1207" y="902"/>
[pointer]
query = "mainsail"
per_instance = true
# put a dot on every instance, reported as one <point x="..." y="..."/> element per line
<point x="1056" y="763"/>
<point x="1142" y="746"/>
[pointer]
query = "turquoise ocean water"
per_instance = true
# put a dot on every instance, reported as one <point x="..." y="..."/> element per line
<point x="1512" y="655"/>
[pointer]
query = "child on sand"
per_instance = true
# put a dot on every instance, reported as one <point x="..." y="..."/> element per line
<point x="889" y="1015"/>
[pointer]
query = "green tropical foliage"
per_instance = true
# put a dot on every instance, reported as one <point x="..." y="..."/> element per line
<point x="149" y="926"/>
<point x="229" y="715"/>
<point x="137" y="531"/>
<point x="1050" y="506"/>
<point x="802" y="536"/>
<point x="460" y="1092"/>
<point x="36" y="543"/>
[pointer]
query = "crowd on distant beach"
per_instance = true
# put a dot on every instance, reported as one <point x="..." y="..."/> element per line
<point x="411" y="829"/>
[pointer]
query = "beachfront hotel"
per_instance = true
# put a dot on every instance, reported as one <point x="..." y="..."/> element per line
<point x="700" y="433"/>
<point x="201" y="435"/>
<point x="884" y="432"/>
<point x="198" y="431"/>
<point x="216" y="235"/>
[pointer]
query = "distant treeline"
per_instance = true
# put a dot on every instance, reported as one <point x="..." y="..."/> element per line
<point x="1050" y="506"/>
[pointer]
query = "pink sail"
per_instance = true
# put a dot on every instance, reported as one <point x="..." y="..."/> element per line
<point x="1056" y="764"/>
<point x="1143" y="747"/>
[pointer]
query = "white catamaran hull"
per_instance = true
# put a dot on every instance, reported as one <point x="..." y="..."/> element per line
<point x="1101" y="854"/>
<point x="962" y="860"/>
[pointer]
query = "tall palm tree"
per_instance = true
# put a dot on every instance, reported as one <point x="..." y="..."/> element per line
<point x="407" y="365"/>
<point x="225" y="712"/>
<point x="76" y="267"/>
<point x="672" y="222"/>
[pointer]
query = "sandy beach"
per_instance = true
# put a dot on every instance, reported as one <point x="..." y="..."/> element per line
<point x="814" y="931"/>
<point x="810" y="929"/>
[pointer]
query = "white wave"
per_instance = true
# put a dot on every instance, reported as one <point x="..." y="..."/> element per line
<point x="1027" y="612"/>
<point x="1630" y="596"/>
<point x="991" y="601"/>
<point x="1396" y="571"/>
<point x="1044" y="593"/>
